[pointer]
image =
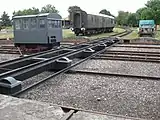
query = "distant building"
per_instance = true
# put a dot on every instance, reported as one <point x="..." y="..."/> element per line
<point x="66" y="23"/>
<point x="0" y="25"/>
<point x="0" y="22"/>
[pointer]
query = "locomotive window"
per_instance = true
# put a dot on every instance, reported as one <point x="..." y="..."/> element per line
<point x="33" y="23"/>
<point x="112" y="21"/>
<point x="59" y="23"/>
<point x="92" y="19"/>
<point x="17" y="24"/>
<point x="42" y="23"/>
<point x="50" y="24"/>
<point x="26" y="24"/>
<point x="54" y="24"/>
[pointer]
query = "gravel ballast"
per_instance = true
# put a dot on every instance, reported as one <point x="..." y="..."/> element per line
<point x="30" y="81"/>
<point x="6" y="57"/>
<point x="134" y="49"/>
<point x="122" y="67"/>
<point x="115" y="95"/>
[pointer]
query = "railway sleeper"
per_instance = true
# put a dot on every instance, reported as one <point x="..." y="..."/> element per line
<point x="10" y="85"/>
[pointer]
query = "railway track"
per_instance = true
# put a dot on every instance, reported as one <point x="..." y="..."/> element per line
<point x="25" y="68"/>
<point x="10" y="49"/>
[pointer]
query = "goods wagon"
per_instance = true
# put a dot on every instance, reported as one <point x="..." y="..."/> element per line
<point x="146" y="27"/>
<point x="83" y="23"/>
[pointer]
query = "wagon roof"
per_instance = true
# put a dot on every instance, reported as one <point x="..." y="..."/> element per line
<point x="38" y="15"/>
<point x="102" y="15"/>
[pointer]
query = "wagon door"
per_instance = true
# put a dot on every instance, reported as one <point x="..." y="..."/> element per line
<point x="84" y="19"/>
<point x="77" y="20"/>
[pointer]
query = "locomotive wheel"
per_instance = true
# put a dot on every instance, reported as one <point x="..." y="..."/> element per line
<point x="77" y="34"/>
<point x="83" y="34"/>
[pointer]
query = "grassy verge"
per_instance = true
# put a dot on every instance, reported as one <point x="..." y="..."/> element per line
<point x="157" y="35"/>
<point x="6" y="35"/>
<point x="68" y="34"/>
<point x="132" y="35"/>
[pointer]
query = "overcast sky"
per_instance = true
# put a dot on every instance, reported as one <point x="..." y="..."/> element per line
<point x="90" y="6"/>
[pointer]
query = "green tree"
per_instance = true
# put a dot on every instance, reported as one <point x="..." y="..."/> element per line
<point x="106" y="12"/>
<point x="132" y="19"/>
<point x="30" y="11"/>
<point x="122" y="18"/>
<point x="154" y="5"/>
<point x="49" y="9"/>
<point x="139" y="12"/>
<point x="147" y="14"/>
<point x="0" y="24"/>
<point x="73" y="8"/>
<point x="150" y="11"/>
<point x="5" y="20"/>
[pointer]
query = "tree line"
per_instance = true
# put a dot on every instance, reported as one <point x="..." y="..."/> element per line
<point x="5" y="20"/>
<point x="125" y="18"/>
<point x="150" y="11"/>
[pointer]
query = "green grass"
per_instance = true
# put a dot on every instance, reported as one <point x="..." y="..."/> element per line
<point x="157" y="35"/>
<point x="69" y="34"/>
<point x="9" y="28"/>
<point x="6" y="35"/>
<point x="132" y="35"/>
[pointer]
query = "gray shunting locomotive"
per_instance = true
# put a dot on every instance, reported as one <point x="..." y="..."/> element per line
<point x="41" y="31"/>
<point x="85" y="24"/>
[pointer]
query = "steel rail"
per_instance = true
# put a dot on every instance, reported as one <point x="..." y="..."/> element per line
<point x="129" y="51"/>
<point x="32" y="69"/>
<point x="125" y="59"/>
<point x="157" y="78"/>
<point x="132" y="53"/>
<point x="59" y="72"/>
<point x="21" y="59"/>
<point x="131" y="46"/>
<point x="130" y="56"/>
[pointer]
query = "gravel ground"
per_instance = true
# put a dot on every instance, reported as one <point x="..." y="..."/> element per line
<point x="138" y="45"/>
<point x="6" y="57"/>
<point x="130" y="56"/>
<point x="115" y="95"/>
<point x="123" y="67"/>
<point x="134" y="49"/>
<point x="36" y="78"/>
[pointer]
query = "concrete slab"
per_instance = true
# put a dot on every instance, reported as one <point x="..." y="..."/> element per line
<point x="12" y="108"/>
<point x="92" y="116"/>
<point x="20" y="109"/>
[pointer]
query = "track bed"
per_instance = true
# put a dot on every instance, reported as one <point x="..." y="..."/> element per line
<point x="121" y="87"/>
<point x="115" y="95"/>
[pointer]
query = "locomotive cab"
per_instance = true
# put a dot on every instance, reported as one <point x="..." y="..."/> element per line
<point x="37" y="32"/>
